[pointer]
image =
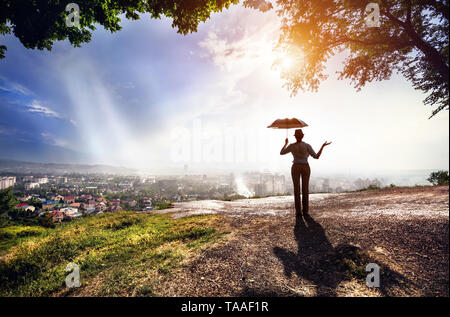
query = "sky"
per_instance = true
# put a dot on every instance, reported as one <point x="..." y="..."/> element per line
<point x="149" y="98"/>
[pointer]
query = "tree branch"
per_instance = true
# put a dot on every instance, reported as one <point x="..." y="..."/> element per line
<point x="392" y="17"/>
<point x="431" y="54"/>
<point x="394" y="42"/>
<point x="408" y="12"/>
<point x="434" y="57"/>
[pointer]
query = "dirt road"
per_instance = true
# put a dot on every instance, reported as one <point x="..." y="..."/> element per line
<point x="405" y="231"/>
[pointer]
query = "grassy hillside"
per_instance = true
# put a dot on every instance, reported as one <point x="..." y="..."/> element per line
<point x="119" y="254"/>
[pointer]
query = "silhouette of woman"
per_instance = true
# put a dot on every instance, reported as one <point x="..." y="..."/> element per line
<point x="300" y="168"/>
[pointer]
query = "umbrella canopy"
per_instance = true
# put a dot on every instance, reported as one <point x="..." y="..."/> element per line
<point x="287" y="124"/>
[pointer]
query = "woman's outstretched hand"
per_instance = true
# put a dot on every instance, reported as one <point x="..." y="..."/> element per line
<point x="321" y="148"/>
<point x="283" y="150"/>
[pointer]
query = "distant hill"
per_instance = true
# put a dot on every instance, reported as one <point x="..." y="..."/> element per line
<point x="22" y="167"/>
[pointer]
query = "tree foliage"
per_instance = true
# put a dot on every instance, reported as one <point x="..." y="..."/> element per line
<point x="7" y="200"/>
<point x="439" y="178"/>
<point x="412" y="39"/>
<point x="39" y="23"/>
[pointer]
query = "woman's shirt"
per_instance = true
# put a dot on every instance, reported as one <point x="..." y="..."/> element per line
<point x="300" y="151"/>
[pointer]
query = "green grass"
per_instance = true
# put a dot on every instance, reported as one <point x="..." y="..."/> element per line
<point x="164" y="205"/>
<point x="370" y="187"/>
<point x="16" y="234"/>
<point x="118" y="254"/>
<point x="232" y="197"/>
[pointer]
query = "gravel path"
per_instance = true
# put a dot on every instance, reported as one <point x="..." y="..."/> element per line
<point x="270" y="206"/>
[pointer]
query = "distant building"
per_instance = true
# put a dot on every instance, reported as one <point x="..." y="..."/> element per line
<point x="29" y="208"/>
<point x="25" y="198"/>
<point x="6" y="182"/>
<point x="29" y="186"/>
<point x="115" y="201"/>
<point x="86" y="197"/>
<point x="266" y="184"/>
<point x="339" y="189"/>
<point x="364" y="183"/>
<point x="149" y="180"/>
<point x="58" y="198"/>
<point x="100" y="207"/>
<point x="90" y="203"/>
<point x="260" y="189"/>
<point x="131" y="203"/>
<point x="167" y="182"/>
<point x="71" y="213"/>
<point x="49" y="205"/>
<point x="326" y="186"/>
<point x="69" y="199"/>
<point x="61" y="180"/>
<point x="279" y="184"/>
<point x="194" y="178"/>
<point x="147" y="202"/>
<point x="57" y="215"/>
<point x="90" y="210"/>
<point x="42" y="180"/>
<point x="115" y="208"/>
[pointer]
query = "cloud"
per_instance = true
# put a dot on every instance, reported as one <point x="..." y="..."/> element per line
<point x="126" y="85"/>
<point x="7" y="130"/>
<point x="52" y="140"/>
<point x="13" y="87"/>
<point x="247" y="45"/>
<point x="37" y="107"/>
<point x="245" y="54"/>
<point x="21" y="89"/>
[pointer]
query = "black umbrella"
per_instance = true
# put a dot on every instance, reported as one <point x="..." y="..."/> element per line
<point x="288" y="124"/>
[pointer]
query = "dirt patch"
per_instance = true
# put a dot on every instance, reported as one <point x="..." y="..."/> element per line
<point x="403" y="230"/>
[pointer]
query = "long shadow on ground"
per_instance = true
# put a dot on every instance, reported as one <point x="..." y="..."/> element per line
<point x="326" y="266"/>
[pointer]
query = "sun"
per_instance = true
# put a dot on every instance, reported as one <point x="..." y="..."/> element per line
<point x="289" y="59"/>
<point x="287" y="63"/>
